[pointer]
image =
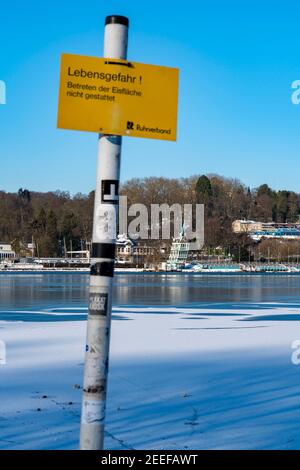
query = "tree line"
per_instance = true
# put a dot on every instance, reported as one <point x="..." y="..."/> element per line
<point x="56" y="221"/>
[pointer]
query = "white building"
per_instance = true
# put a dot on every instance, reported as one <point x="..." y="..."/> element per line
<point x="6" y="251"/>
<point x="247" y="226"/>
<point x="131" y="252"/>
<point x="179" y="253"/>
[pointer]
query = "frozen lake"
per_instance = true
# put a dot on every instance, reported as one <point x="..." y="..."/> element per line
<point x="21" y="293"/>
<point x="197" y="362"/>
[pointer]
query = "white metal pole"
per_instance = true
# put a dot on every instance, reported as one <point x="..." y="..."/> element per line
<point x="102" y="262"/>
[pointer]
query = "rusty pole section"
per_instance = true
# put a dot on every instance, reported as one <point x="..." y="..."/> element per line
<point x="102" y="262"/>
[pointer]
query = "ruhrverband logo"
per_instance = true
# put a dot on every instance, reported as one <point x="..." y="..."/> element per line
<point x="142" y="128"/>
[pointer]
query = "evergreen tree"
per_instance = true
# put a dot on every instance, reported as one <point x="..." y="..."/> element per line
<point x="282" y="206"/>
<point x="203" y="188"/>
<point x="204" y="193"/>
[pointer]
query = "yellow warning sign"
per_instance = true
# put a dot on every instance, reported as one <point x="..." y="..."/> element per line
<point x="118" y="97"/>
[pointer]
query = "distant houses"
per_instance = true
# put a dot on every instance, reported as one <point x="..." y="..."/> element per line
<point x="260" y="230"/>
<point x="129" y="252"/>
<point x="6" y="251"/>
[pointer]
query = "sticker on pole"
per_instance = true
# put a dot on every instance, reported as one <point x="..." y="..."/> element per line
<point x="118" y="97"/>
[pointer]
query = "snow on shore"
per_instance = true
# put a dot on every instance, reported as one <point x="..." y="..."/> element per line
<point x="180" y="378"/>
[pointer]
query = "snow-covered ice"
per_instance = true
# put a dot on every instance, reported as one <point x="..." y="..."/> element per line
<point x="180" y="378"/>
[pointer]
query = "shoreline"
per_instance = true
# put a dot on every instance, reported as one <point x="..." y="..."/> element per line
<point x="139" y="272"/>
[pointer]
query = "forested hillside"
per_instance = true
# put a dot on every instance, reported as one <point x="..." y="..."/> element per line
<point x="55" y="219"/>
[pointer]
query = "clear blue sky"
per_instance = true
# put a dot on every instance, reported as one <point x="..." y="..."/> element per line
<point x="237" y="61"/>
